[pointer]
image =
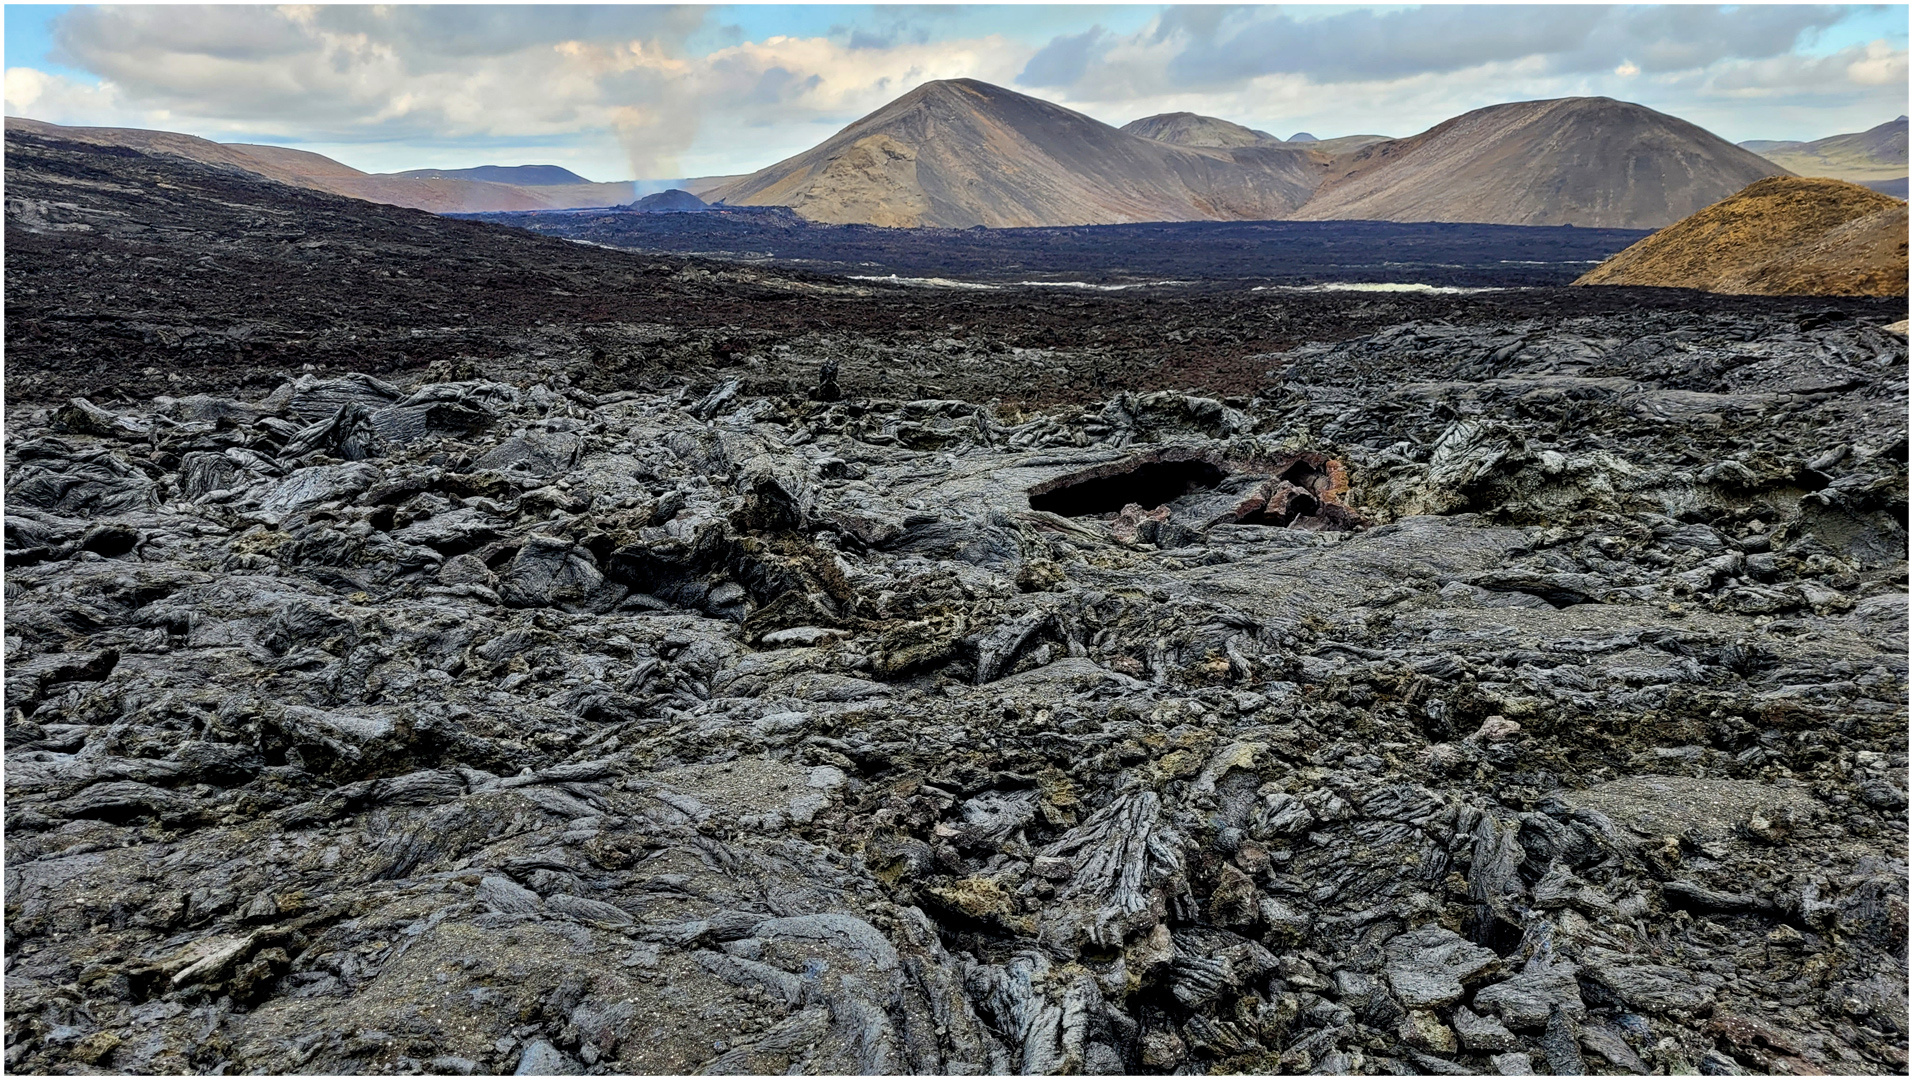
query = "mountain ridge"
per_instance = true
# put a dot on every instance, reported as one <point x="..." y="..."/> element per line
<point x="520" y="175"/>
<point x="1878" y="153"/>
<point x="1587" y="161"/>
<point x="936" y="156"/>
<point x="962" y="153"/>
<point x="441" y="192"/>
<point x="1194" y="129"/>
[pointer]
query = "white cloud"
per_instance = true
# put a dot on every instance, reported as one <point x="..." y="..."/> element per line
<point x="58" y="99"/>
<point x="434" y="78"/>
<point x="1220" y="48"/>
<point x="615" y="91"/>
<point x="1882" y="65"/>
<point x="1696" y="63"/>
<point x="1875" y="72"/>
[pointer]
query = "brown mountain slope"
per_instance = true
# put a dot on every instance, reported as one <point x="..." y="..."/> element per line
<point x="302" y="168"/>
<point x="1191" y="129"/>
<point x="704" y="185"/>
<point x="961" y="153"/>
<point x="1343" y="144"/>
<point x="272" y="162"/>
<point x="1571" y="161"/>
<point x="1878" y="153"/>
<point x="1782" y="236"/>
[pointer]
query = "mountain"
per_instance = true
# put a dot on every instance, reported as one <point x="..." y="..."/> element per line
<point x="1189" y="129"/>
<point x="961" y="153"/>
<point x="522" y="175"/>
<point x="1571" y="161"/>
<point x="1785" y="235"/>
<point x="439" y="192"/>
<point x="1878" y="153"/>
<point x="273" y="162"/>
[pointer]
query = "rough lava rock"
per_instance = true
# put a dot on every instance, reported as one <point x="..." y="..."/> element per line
<point x="1474" y="699"/>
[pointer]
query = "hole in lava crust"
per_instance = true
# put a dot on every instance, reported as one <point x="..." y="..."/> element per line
<point x="1305" y="474"/>
<point x="1301" y="490"/>
<point x="1148" y="483"/>
<point x="1295" y="507"/>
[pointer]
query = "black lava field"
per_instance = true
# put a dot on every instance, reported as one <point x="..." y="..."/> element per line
<point x="434" y="647"/>
<point x="1269" y="252"/>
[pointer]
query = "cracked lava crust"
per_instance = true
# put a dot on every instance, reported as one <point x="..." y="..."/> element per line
<point x="1471" y="688"/>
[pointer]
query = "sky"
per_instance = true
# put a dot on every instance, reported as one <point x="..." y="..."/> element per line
<point x="656" y="91"/>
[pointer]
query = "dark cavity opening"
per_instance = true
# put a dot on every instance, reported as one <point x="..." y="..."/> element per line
<point x="1284" y="509"/>
<point x="1306" y="476"/>
<point x="1487" y="929"/>
<point x="1149" y="484"/>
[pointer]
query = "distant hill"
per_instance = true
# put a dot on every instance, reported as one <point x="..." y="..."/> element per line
<point x="1343" y="144"/>
<point x="676" y="200"/>
<point x="437" y="193"/>
<point x="279" y="163"/>
<point x="1878" y="153"/>
<point x="960" y="153"/>
<point x="1189" y="129"/>
<point x="521" y="175"/>
<point x="1570" y="161"/>
<point x="1192" y="129"/>
<point x="1785" y="235"/>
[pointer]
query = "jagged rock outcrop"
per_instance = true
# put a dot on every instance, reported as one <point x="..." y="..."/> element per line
<point x="1383" y="722"/>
